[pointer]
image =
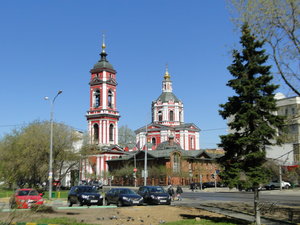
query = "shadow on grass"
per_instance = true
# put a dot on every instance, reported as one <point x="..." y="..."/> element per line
<point x="217" y="219"/>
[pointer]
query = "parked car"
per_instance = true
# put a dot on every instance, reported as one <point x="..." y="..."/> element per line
<point x="276" y="184"/>
<point x="154" y="195"/>
<point x="123" y="197"/>
<point x="194" y="186"/>
<point x="25" y="198"/>
<point x="84" y="195"/>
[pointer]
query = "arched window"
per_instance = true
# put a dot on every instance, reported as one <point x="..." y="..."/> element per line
<point x="97" y="98"/>
<point x="111" y="132"/>
<point x="153" y="141"/>
<point x="192" y="144"/>
<point x="171" y="115"/>
<point x="110" y="99"/>
<point x="96" y="132"/>
<point x="159" y="116"/>
<point x="176" y="162"/>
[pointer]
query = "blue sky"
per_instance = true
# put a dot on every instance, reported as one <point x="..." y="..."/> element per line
<point x="46" y="46"/>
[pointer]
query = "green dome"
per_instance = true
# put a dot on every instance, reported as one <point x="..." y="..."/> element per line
<point x="167" y="96"/>
<point x="103" y="64"/>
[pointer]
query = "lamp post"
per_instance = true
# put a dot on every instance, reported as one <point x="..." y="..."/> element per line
<point x="145" y="160"/>
<point x="51" y="142"/>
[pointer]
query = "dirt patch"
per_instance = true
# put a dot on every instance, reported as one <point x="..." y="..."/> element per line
<point x="136" y="215"/>
<point x="268" y="210"/>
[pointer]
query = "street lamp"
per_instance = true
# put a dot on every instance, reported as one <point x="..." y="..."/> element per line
<point x="51" y="142"/>
<point x="145" y="160"/>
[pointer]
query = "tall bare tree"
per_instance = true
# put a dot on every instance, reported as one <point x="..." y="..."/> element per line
<point x="126" y="137"/>
<point x="278" y="23"/>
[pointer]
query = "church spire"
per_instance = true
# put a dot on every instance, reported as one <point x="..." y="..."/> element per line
<point x="167" y="75"/>
<point x="167" y="83"/>
<point x="103" y="54"/>
<point x="103" y="43"/>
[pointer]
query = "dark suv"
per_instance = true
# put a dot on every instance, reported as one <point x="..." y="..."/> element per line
<point x="84" y="195"/>
<point x="154" y="195"/>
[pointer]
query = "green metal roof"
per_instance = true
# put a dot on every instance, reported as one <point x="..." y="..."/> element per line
<point x="168" y="96"/>
<point x="103" y="64"/>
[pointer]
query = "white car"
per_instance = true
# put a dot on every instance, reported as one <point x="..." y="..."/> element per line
<point x="276" y="184"/>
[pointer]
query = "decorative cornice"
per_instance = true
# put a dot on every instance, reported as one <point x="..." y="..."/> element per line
<point x="90" y="116"/>
<point x="97" y="70"/>
<point x="112" y="81"/>
<point x="97" y="81"/>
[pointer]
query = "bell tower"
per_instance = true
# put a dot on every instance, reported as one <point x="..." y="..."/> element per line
<point x="102" y="115"/>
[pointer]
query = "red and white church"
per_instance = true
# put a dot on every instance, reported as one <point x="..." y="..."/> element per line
<point x="168" y="121"/>
<point x="167" y="124"/>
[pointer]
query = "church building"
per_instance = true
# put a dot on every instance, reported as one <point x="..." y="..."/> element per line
<point x="103" y="119"/>
<point x="168" y="121"/>
<point x="169" y="144"/>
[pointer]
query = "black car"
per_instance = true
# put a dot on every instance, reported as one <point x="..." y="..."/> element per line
<point x="194" y="186"/>
<point x="155" y="195"/>
<point x="84" y="195"/>
<point x="122" y="197"/>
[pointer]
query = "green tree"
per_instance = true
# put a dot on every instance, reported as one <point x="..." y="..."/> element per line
<point x="25" y="153"/>
<point x="277" y="22"/>
<point x="251" y="117"/>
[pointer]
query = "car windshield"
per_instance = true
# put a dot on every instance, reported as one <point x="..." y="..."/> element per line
<point x="157" y="190"/>
<point x="87" y="190"/>
<point x="28" y="192"/>
<point x="127" y="191"/>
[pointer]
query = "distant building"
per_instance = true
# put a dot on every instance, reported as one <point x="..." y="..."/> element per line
<point x="169" y="164"/>
<point x="289" y="152"/>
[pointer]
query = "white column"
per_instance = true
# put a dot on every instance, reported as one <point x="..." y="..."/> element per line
<point x="117" y="133"/>
<point x="197" y="141"/>
<point x="182" y="139"/>
<point x="100" y="131"/>
<point x="107" y="131"/>
<point x="186" y="140"/>
<point x="98" y="166"/>
<point x="104" y="132"/>
<point x="104" y="91"/>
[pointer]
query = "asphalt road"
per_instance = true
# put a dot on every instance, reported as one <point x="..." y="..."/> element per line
<point x="285" y="197"/>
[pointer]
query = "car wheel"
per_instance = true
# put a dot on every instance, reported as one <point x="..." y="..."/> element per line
<point x="80" y="203"/>
<point x="70" y="203"/>
<point x="119" y="203"/>
<point x="287" y="187"/>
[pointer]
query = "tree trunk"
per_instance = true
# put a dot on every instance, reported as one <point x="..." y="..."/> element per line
<point x="256" y="206"/>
